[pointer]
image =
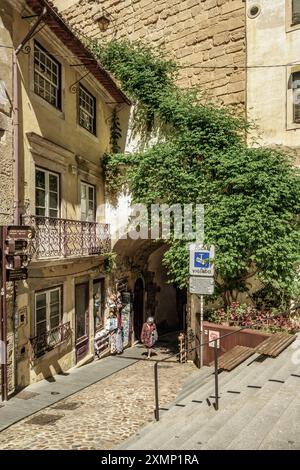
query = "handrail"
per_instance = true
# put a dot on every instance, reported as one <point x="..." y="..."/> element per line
<point x="215" y="341"/>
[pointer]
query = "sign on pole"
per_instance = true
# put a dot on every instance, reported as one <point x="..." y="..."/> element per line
<point x="202" y="260"/>
<point x="201" y="285"/>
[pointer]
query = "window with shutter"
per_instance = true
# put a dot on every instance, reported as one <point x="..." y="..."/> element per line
<point x="296" y="96"/>
<point x="295" y="12"/>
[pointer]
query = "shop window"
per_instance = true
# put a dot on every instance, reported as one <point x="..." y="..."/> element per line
<point x="87" y="110"/>
<point x="46" y="193"/>
<point x="47" y="76"/>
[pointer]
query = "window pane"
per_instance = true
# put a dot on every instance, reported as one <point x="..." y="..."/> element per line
<point x="46" y="76"/>
<point x="53" y="213"/>
<point x="40" y="197"/>
<point x="41" y="315"/>
<point x="40" y="300"/>
<point x="40" y="211"/>
<point x="54" y="321"/>
<point x="40" y="179"/>
<point x="41" y="328"/>
<point x="296" y="11"/>
<point x="296" y="96"/>
<point x="91" y="194"/>
<point x="53" y="200"/>
<point x="53" y="183"/>
<point x="54" y="310"/>
<point x="54" y="296"/>
<point x="83" y="191"/>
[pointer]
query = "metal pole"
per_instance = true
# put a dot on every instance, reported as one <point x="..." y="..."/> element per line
<point x="3" y="319"/>
<point x="156" y="411"/>
<point x="201" y="329"/>
<point x="216" y="375"/>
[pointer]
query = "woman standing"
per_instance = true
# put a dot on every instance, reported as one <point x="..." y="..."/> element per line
<point x="149" y="335"/>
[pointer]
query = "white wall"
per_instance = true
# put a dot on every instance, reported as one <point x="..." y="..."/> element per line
<point x="273" y="43"/>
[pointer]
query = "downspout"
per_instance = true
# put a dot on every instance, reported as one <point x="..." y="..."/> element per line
<point x="16" y="118"/>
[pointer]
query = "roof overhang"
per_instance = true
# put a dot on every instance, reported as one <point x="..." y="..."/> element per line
<point x="65" y="34"/>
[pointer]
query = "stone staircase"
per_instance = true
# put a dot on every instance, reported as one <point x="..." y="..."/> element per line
<point x="259" y="408"/>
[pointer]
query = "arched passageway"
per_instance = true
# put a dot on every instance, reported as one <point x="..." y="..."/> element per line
<point x="140" y="263"/>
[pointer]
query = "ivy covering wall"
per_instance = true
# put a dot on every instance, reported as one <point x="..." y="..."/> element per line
<point x="251" y="195"/>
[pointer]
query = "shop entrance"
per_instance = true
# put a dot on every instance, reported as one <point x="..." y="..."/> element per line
<point x="138" y="307"/>
<point x="81" y="320"/>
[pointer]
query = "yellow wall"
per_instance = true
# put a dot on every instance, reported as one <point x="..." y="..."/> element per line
<point x="52" y="139"/>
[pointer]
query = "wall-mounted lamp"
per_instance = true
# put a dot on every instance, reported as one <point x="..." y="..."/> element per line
<point x="103" y="20"/>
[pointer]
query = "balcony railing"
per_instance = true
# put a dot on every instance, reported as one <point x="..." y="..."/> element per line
<point x="49" y="340"/>
<point x="61" y="238"/>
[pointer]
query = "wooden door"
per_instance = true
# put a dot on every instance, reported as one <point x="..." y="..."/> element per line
<point x="82" y="320"/>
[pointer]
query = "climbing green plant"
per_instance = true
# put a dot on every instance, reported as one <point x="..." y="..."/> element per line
<point x="251" y="195"/>
<point x="115" y="132"/>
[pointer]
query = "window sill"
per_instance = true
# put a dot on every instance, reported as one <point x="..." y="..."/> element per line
<point x="293" y="126"/>
<point x="87" y="133"/>
<point x="57" y="112"/>
<point x="292" y="27"/>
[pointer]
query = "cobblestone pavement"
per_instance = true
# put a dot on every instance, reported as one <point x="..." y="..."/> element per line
<point x="102" y="415"/>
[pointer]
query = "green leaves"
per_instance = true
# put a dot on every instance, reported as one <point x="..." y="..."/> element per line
<point x="251" y="195"/>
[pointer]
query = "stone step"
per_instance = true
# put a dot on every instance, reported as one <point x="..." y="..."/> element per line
<point x="239" y="421"/>
<point x="228" y="406"/>
<point x="253" y="434"/>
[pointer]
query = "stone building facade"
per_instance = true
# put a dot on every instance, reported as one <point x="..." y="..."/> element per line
<point x="6" y="114"/>
<point x="65" y="110"/>
<point x="206" y="38"/>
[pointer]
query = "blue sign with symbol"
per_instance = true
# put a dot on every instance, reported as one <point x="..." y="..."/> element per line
<point x="201" y="259"/>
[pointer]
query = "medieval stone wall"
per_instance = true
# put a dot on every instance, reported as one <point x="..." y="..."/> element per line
<point x="205" y="37"/>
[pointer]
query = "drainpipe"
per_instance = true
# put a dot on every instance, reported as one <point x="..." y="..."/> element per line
<point x="16" y="118"/>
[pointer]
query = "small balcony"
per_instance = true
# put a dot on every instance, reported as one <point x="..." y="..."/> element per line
<point x="49" y="340"/>
<point x="64" y="238"/>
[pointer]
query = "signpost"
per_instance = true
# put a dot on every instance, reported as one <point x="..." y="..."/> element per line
<point x="201" y="279"/>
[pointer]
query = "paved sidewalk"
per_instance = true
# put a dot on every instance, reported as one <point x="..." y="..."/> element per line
<point x="100" y="405"/>
<point x="52" y="390"/>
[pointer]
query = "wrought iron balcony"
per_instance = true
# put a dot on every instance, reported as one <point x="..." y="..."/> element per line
<point x="62" y="238"/>
<point x="49" y="340"/>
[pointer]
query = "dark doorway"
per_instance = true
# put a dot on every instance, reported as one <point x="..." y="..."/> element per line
<point x="181" y="301"/>
<point x="138" y="307"/>
<point x="82" y="320"/>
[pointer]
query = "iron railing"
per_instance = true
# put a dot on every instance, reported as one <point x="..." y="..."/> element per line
<point x="49" y="340"/>
<point x="61" y="238"/>
<point x="216" y="367"/>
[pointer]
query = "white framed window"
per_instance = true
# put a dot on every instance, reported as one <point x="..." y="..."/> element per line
<point x="48" y="310"/>
<point x="296" y="96"/>
<point x="47" y="76"/>
<point x="295" y="12"/>
<point x="87" y="202"/>
<point x="46" y="193"/>
<point x="86" y="110"/>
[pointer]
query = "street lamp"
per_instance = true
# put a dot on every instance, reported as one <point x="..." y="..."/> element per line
<point x="103" y="21"/>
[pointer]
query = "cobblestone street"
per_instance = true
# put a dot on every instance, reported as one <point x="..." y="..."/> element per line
<point x="104" y="414"/>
